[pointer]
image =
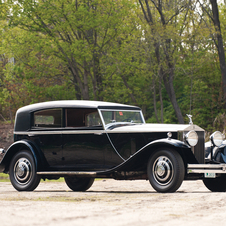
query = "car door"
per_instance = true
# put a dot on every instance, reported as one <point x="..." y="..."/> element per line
<point x="46" y="132"/>
<point x="84" y="140"/>
<point x="120" y="131"/>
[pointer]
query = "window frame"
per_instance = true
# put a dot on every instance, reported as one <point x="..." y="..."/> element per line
<point x="117" y="110"/>
<point x="83" y="116"/>
<point x="56" y="126"/>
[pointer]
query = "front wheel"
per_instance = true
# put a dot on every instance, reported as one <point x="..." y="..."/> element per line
<point x="216" y="184"/>
<point x="166" y="170"/>
<point x="79" y="184"/>
<point x="22" y="172"/>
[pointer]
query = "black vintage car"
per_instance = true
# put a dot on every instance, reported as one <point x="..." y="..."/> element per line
<point x="84" y="140"/>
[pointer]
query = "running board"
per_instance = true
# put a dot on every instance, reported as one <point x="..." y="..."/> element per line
<point x="69" y="173"/>
<point x="206" y="168"/>
<point x="191" y="168"/>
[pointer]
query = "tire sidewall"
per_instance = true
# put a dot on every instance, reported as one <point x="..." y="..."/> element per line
<point x="33" y="181"/>
<point x="217" y="184"/>
<point x="178" y="170"/>
<point x="79" y="184"/>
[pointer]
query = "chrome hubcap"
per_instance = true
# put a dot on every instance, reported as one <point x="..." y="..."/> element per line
<point x="163" y="170"/>
<point x="22" y="171"/>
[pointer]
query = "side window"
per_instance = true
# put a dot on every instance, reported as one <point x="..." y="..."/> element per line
<point x="48" y="118"/>
<point x="93" y="119"/>
<point x="82" y="117"/>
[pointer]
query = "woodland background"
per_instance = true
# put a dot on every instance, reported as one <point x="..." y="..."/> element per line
<point x="166" y="56"/>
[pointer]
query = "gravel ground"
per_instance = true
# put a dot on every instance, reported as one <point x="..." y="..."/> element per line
<point x="110" y="202"/>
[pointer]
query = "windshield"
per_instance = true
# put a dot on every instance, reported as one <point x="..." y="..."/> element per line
<point x="121" y="116"/>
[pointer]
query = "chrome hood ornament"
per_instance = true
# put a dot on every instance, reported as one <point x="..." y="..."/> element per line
<point x="190" y="120"/>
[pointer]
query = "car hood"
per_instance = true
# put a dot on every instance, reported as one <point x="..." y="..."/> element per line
<point x="154" y="127"/>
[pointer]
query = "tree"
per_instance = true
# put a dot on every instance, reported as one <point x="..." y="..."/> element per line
<point x="162" y="19"/>
<point x="77" y="32"/>
<point x="28" y="74"/>
<point x="213" y="14"/>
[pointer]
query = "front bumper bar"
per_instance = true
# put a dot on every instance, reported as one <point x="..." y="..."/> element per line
<point x="206" y="168"/>
<point x="2" y="153"/>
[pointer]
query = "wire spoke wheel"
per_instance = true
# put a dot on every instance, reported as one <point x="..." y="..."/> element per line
<point x="22" y="172"/>
<point x="165" y="170"/>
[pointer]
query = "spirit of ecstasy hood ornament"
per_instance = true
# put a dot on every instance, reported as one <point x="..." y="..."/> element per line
<point x="190" y="120"/>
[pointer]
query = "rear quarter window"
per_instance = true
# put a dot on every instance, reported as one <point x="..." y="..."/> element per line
<point x="48" y="118"/>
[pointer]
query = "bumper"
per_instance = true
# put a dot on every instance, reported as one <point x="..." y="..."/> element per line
<point x="2" y="153"/>
<point x="206" y="168"/>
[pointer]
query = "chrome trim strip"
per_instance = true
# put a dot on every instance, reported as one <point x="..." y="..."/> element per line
<point x="77" y="173"/>
<point x="135" y="131"/>
<point x="32" y="133"/>
<point x="206" y="168"/>
<point x="98" y="132"/>
<point x="101" y="118"/>
<point x="142" y="116"/>
<point x="114" y="147"/>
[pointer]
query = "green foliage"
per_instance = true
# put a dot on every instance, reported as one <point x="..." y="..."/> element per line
<point x="4" y="177"/>
<point x="106" y="50"/>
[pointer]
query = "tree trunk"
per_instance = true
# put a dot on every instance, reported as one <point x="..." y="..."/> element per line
<point x="98" y="89"/>
<point x="129" y="88"/>
<point x="167" y="73"/>
<point x="220" y="46"/>
<point x="77" y="89"/>
<point x="78" y="82"/>
<point x="154" y="99"/>
<point x="167" y="77"/>
<point x="160" y="97"/>
<point x="85" y="82"/>
<point x="171" y="93"/>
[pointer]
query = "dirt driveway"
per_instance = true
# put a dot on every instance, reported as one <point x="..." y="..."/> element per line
<point x="110" y="202"/>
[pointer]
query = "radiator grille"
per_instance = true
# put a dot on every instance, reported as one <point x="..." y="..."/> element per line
<point x="199" y="149"/>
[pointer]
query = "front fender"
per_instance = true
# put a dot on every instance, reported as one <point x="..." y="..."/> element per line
<point x="166" y="142"/>
<point x="138" y="161"/>
<point x="16" y="147"/>
<point x="182" y="148"/>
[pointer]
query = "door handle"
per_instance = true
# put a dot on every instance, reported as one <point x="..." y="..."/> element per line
<point x="98" y="134"/>
<point x="32" y="135"/>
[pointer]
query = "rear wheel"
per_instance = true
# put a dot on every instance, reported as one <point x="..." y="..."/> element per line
<point x="165" y="170"/>
<point x="79" y="184"/>
<point x="22" y="172"/>
<point x="216" y="184"/>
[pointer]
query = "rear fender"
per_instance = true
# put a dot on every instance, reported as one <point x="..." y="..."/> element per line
<point x="15" y="148"/>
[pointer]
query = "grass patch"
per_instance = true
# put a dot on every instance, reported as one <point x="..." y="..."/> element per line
<point x="51" y="199"/>
<point x="61" y="179"/>
<point x="4" y="177"/>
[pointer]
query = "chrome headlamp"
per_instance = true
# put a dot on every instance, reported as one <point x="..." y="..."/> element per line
<point x="192" y="138"/>
<point x="217" y="138"/>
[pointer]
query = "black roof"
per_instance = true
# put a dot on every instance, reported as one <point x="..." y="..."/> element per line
<point x="23" y="116"/>
<point x="75" y="104"/>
